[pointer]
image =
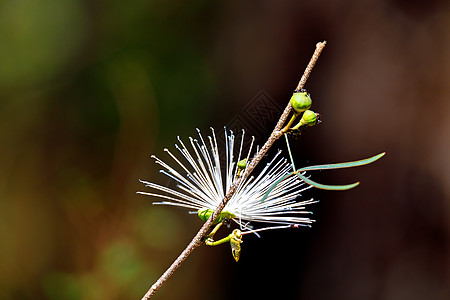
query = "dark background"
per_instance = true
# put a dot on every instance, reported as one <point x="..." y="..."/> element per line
<point x="90" y="89"/>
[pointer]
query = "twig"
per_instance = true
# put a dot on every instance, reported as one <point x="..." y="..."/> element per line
<point x="276" y="134"/>
<point x="310" y="66"/>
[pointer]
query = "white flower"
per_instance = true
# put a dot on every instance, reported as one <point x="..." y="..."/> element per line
<point x="204" y="182"/>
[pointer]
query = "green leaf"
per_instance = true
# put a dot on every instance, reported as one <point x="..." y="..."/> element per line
<point x="274" y="185"/>
<point x="326" y="186"/>
<point x="326" y="167"/>
<point x="344" y="165"/>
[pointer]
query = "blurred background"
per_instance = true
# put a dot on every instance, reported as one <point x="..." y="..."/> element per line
<point x="90" y="89"/>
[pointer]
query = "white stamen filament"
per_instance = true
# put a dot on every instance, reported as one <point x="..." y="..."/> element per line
<point x="203" y="186"/>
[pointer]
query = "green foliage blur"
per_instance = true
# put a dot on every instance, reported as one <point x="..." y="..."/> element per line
<point x="90" y="89"/>
<point x="86" y="90"/>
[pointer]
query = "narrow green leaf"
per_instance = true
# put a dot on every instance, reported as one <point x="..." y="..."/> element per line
<point x="326" y="186"/>
<point x="274" y="185"/>
<point x="326" y="167"/>
<point x="344" y="165"/>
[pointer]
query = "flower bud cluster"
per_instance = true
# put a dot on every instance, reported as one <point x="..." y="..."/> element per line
<point x="301" y="102"/>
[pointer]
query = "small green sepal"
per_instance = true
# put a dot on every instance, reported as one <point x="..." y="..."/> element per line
<point x="301" y="101"/>
<point x="205" y="214"/>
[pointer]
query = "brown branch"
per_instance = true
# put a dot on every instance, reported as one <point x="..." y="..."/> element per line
<point x="276" y="134"/>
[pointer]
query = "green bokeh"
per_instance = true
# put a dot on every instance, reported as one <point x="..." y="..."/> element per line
<point x="170" y="228"/>
<point x="62" y="286"/>
<point x="39" y="38"/>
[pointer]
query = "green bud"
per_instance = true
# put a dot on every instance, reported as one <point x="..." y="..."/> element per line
<point x="242" y="164"/>
<point x="301" y="101"/>
<point x="309" y="118"/>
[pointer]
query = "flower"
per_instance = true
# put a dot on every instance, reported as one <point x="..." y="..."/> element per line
<point x="205" y="179"/>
